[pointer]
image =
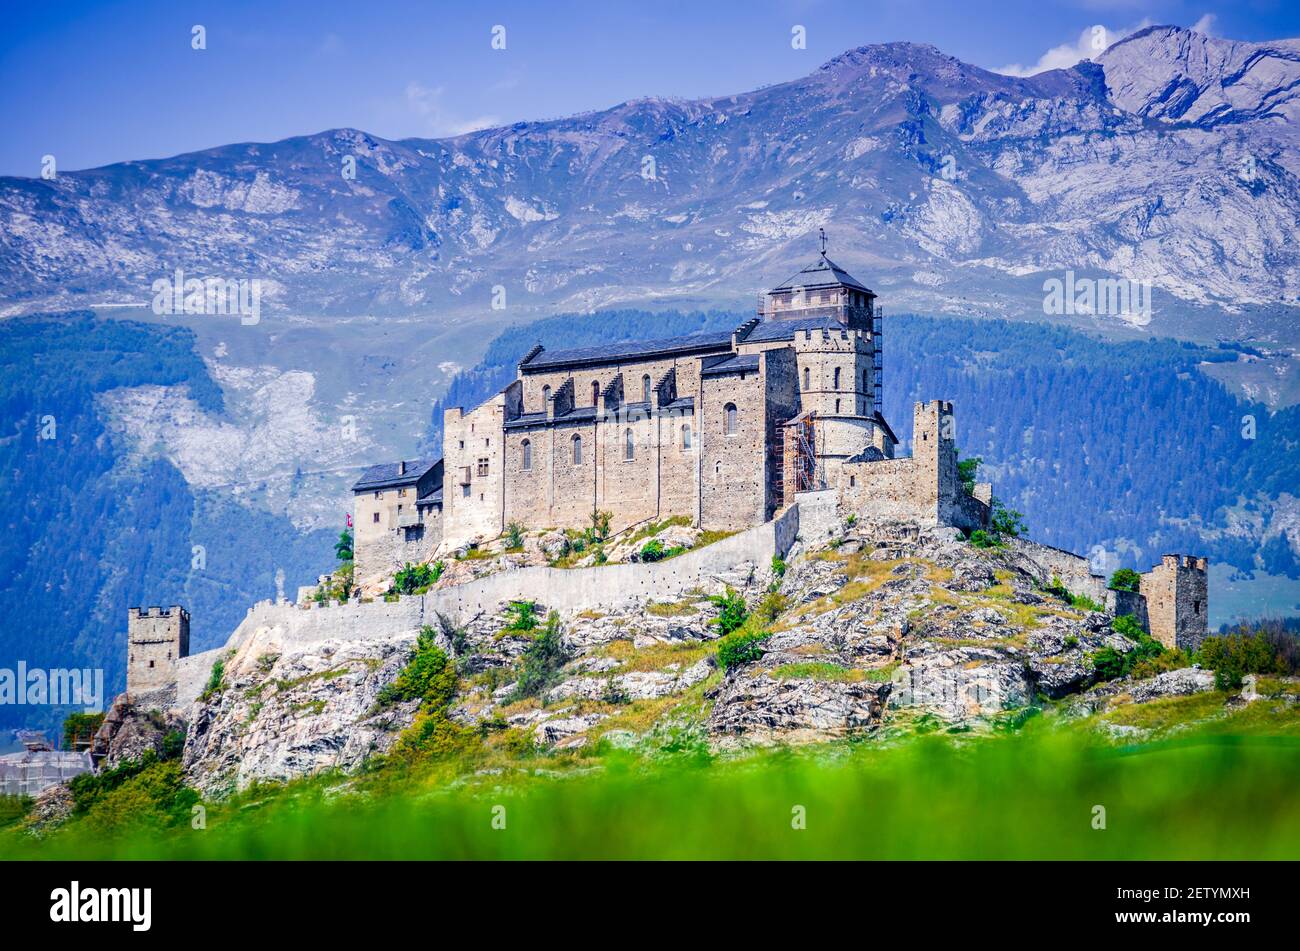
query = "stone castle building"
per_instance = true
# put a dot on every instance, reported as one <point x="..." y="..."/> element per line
<point x="724" y="428"/>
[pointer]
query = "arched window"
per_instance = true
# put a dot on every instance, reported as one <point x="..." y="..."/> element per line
<point x="595" y="392"/>
<point x="645" y="388"/>
<point x="686" y="435"/>
<point x="729" y="412"/>
<point x="577" y="450"/>
<point x="629" y="447"/>
<point x="836" y="384"/>
<point x="717" y="469"/>
<point x="528" y="455"/>
<point x="546" y="399"/>
<point x="807" y="379"/>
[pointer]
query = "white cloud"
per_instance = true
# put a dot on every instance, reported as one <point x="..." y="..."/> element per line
<point x="426" y="102"/>
<point x="1091" y="43"/>
<point x="1205" y="25"/>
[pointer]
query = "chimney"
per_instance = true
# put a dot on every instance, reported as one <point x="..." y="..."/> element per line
<point x="401" y="468"/>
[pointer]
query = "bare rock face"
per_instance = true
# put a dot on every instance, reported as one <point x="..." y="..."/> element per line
<point x="755" y="708"/>
<point x="293" y="715"/>
<point x="880" y="622"/>
<point x="962" y="683"/>
<point x="636" y="685"/>
<point x="50" y="809"/>
<point x="130" y="730"/>
<point x="1172" y="683"/>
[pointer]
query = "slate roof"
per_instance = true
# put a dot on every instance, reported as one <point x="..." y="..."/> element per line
<point x="626" y="349"/>
<point x="785" y="328"/>
<point x="737" y="364"/>
<point x="824" y="273"/>
<point x="576" y="415"/>
<point x="385" y="476"/>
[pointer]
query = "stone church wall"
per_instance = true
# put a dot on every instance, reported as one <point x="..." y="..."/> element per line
<point x="733" y="490"/>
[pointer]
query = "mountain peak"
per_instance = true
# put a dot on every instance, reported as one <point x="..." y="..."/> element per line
<point x="1179" y="75"/>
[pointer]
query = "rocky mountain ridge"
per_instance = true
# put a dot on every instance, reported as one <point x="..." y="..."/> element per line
<point x="1170" y="160"/>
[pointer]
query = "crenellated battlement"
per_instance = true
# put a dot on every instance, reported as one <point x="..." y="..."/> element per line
<point x="1177" y="600"/>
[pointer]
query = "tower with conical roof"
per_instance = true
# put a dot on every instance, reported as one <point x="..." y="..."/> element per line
<point x="823" y="287"/>
<point x="825" y="294"/>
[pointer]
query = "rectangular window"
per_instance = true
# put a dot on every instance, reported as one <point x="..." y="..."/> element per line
<point x="482" y="467"/>
<point x="464" y="490"/>
<point x="375" y="518"/>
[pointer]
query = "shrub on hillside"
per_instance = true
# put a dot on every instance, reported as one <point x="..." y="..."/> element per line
<point x="733" y="612"/>
<point x="741" y="647"/>
<point x="1006" y="522"/>
<point x="1127" y="625"/>
<point x="343" y="547"/>
<point x="429" y="676"/>
<point x="514" y="535"/>
<point x="214" y="684"/>
<point x="13" y="809"/>
<point x="541" y="661"/>
<point x="148" y="792"/>
<point x="1264" y="649"/>
<point x="522" y="616"/>
<point x="1125" y="579"/>
<point x="416" y="579"/>
<point x="1147" y="658"/>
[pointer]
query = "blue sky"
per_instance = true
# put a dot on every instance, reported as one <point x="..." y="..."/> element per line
<point x="99" y="82"/>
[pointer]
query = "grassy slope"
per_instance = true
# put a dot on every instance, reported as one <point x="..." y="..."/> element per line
<point x="1205" y="776"/>
<point x="1024" y="796"/>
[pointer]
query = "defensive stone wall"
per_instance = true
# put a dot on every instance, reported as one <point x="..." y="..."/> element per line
<point x="289" y="626"/>
<point x="1171" y="602"/>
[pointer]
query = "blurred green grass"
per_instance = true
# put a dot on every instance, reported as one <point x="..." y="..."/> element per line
<point x="1029" y="795"/>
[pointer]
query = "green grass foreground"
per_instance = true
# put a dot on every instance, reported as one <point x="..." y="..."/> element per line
<point x="1022" y="796"/>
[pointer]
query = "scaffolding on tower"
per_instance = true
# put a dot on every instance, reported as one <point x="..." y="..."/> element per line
<point x="807" y="474"/>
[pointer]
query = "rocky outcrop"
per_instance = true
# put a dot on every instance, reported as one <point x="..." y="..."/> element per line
<point x="637" y="685"/>
<point x="280" y="717"/>
<point x="1172" y="683"/>
<point x="131" y="729"/>
<point x="50" y="809"/>
<point x="881" y="622"/>
<point x="756" y="708"/>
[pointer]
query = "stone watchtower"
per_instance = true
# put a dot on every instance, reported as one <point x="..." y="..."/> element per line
<point x="1176" y="593"/>
<point x="156" y="638"/>
<point x="825" y="290"/>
